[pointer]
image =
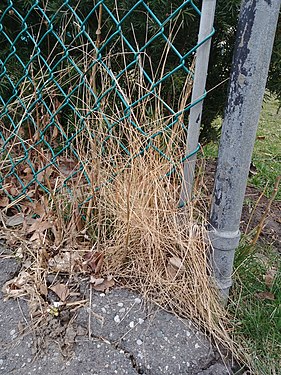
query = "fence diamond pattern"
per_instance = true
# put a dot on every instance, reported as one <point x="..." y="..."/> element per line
<point x="65" y="71"/>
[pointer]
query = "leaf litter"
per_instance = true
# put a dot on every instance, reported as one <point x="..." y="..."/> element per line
<point x="138" y="241"/>
<point x="52" y="304"/>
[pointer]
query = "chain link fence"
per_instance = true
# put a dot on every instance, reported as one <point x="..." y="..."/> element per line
<point x="92" y="83"/>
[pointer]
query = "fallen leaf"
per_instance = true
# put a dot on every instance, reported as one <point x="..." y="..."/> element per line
<point x="61" y="290"/>
<point x="94" y="260"/>
<point x="269" y="277"/>
<point x="171" y="272"/>
<point x="39" y="226"/>
<point x="43" y="289"/>
<point x="67" y="166"/>
<point x="13" y="221"/>
<point x="265" y="295"/>
<point x="101" y="284"/>
<point x="19" y="253"/>
<point x="27" y="170"/>
<point x="4" y="201"/>
<point x="13" y="191"/>
<point x="39" y="209"/>
<point x="17" y="286"/>
<point x="95" y="281"/>
<point x="64" y="262"/>
<point x="176" y="262"/>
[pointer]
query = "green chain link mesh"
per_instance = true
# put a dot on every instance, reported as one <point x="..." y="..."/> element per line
<point x="64" y="71"/>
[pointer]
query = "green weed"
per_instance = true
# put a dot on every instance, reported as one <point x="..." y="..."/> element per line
<point x="267" y="150"/>
<point x="256" y="308"/>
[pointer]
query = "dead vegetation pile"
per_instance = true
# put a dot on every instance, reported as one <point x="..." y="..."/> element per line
<point x="105" y="211"/>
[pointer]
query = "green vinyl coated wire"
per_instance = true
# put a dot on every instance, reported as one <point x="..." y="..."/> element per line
<point x="25" y="108"/>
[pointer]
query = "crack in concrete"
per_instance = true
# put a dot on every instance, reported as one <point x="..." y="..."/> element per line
<point x="127" y="354"/>
<point x="132" y="358"/>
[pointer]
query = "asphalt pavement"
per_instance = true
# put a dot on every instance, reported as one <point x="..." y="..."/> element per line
<point x="116" y="333"/>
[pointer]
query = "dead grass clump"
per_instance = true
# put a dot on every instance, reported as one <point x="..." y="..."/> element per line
<point x="111" y="208"/>
<point x="155" y="247"/>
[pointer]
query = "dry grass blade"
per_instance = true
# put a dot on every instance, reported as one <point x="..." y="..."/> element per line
<point x="132" y="227"/>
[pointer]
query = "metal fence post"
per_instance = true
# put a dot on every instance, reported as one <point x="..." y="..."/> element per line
<point x="255" y="36"/>
<point x="200" y="77"/>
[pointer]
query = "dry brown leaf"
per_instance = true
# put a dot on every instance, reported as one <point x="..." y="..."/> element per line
<point x="27" y="170"/>
<point x="67" y="166"/>
<point x="171" y="272"/>
<point x="95" y="281"/>
<point x="13" y="221"/>
<point x="101" y="284"/>
<point x="265" y="295"/>
<point x="61" y="290"/>
<point x="43" y="289"/>
<point x="39" y="209"/>
<point x="13" y="191"/>
<point x="4" y="201"/>
<point x="17" y="286"/>
<point x="64" y="262"/>
<point x="270" y="276"/>
<point x="94" y="260"/>
<point x="39" y="226"/>
<point x="176" y="262"/>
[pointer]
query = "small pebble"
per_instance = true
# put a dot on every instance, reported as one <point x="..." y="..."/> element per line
<point x="197" y="346"/>
<point x="139" y="342"/>
<point x="103" y="310"/>
<point x="132" y="324"/>
<point x="137" y="300"/>
<point x="117" y="319"/>
<point x="141" y="320"/>
<point x="122" y="310"/>
<point x="120" y="304"/>
<point x="12" y="332"/>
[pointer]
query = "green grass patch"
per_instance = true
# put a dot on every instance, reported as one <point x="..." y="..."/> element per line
<point x="256" y="307"/>
<point x="267" y="150"/>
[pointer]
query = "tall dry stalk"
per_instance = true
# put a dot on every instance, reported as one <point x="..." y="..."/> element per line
<point x="123" y="190"/>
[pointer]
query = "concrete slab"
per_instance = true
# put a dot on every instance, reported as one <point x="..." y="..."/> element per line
<point x="128" y="336"/>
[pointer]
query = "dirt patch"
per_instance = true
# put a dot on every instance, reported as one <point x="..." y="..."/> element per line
<point x="254" y="207"/>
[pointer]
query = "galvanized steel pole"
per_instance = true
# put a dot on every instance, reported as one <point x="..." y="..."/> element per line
<point x="255" y="36"/>
<point x="200" y="77"/>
